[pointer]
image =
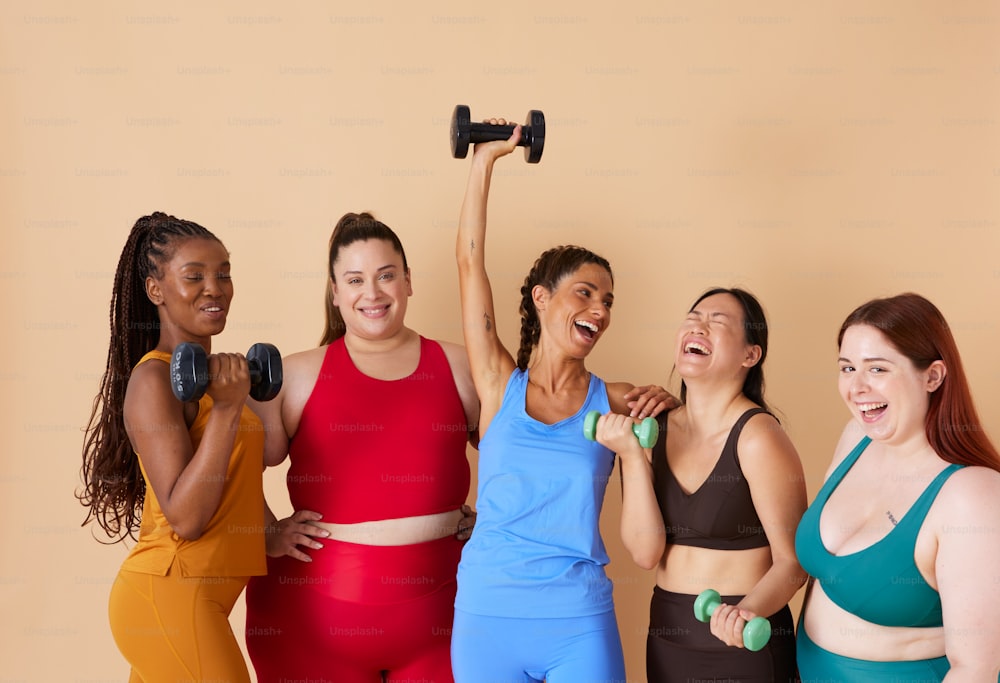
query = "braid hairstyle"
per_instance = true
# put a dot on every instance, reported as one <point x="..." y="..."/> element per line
<point x="549" y="269"/>
<point x="351" y="228"/>
<point x="114" y="489"/>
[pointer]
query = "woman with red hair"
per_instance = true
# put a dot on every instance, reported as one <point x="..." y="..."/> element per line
<point x="903" y="540"/>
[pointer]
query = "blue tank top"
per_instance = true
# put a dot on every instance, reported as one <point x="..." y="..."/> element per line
<point x="537" y="549"/>
<point x="881" y="583"/>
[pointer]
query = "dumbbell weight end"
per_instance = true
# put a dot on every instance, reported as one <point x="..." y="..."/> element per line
<point x="266" y="373"/>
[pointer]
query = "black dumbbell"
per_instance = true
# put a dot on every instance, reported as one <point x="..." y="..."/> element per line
<point x="464" y="131"/>
<point x="189" y="372"/>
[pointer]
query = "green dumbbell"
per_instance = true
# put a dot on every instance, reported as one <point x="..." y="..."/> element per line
<point x="646" y="431"/>
<point x="756" y="632"/>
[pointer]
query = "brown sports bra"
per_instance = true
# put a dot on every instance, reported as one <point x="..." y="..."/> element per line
<point x="720" y="514"/>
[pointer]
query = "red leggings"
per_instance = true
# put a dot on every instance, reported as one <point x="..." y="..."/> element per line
<point x="354" y="613"/>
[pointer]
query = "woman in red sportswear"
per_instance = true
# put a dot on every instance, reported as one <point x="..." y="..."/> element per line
<point x="361" y="578"/>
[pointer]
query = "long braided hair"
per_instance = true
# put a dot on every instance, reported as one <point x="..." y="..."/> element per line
<point x="351" y="228"/>
<point x="113" y="487"/>
<point x="549" y="269"/>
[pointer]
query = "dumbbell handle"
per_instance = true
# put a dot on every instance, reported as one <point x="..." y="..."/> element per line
<point x="488" y="132"/>
<point x="189" y="371"/>
<point x="756" y="632"/>
<point x="646" y="431"/>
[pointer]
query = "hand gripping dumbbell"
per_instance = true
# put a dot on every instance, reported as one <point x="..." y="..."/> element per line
<point x="756" y="632"/>
<point x="646" y="431"/>
<point x="189" y="372"/>
<point x="464" y="131"/>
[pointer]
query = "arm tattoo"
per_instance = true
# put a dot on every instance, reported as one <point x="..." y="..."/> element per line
<point x="489" y="323"/>
<point x="472" y="245"/>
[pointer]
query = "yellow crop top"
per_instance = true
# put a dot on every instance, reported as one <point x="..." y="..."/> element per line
<point x="232" y="543"/>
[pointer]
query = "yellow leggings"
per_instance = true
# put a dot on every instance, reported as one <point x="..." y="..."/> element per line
<point x="173" y="629"/>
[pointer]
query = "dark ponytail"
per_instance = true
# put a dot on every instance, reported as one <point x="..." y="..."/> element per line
<point x="351" y="228"/>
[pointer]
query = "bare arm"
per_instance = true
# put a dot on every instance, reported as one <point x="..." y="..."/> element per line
<point x="967" y="568"/>
<point x="275" y="438"/>
<point x="774" y="473"/>
<point x="461" y="372"/>
<point x="187" y="483"/>
<point x="642" y="530"/>
<point x="281" y="417"/>
<point x="640" y="402"/>
<point x="489" y="361"/>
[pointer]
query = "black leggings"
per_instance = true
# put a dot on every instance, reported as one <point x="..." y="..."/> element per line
<point x="681" y="649"/>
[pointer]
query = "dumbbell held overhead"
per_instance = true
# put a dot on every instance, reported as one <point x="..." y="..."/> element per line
<point x="756" y="632"/>
<point x="464" y="132"/>
<point x="189" y="371"/>
<point x="646" y="431"/>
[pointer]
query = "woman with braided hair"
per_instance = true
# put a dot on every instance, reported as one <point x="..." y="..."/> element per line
<point x="186" y="476"/>
<point x="533" y="600"/>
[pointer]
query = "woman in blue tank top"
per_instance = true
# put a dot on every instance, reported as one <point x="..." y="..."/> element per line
<point x="903" y="540"/>
<point x="533" y="600"/>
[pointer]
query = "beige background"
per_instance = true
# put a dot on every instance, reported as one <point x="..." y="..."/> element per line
<point x="818" y="154"/>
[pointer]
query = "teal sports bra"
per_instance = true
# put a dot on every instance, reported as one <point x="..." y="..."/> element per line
<point x="881" y="583"/>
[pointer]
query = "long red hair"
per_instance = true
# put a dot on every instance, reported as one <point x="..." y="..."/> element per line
<point x="916" y="328"/>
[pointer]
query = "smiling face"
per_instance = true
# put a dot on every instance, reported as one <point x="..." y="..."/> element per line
<point x="713" y="339"/>
<point x="193" y="292"/>
<point x="579" y="310"/>
<point x="371" y="288"/>
<point x="884" y="391"/>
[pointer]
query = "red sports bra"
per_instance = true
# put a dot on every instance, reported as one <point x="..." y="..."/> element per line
<point x="368" y="449"/>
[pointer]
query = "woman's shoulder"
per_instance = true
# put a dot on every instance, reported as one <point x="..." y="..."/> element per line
<point x="303" y="367"/>
<point x="451" y="349"/>
<point x="765" y="447"/>
<point x="972" y="485"/>
<point x="152" y="372"/>
<point x="304" y="359"/>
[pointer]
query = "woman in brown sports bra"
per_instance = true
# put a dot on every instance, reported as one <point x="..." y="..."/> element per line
<point x="730" y="489"/>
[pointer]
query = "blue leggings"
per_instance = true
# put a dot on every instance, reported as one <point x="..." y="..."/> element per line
<point x="526" y="650"/>
<point x="817" y="665"/>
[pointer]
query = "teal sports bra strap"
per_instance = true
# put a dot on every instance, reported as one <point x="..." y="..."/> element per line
<point x="842" y="469"/>
<point x="918" y="511"/>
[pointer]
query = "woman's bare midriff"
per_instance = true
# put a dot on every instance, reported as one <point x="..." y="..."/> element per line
<point x="402" y="531"/>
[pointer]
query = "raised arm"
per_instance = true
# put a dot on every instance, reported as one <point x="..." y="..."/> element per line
<point x="490" y="363"/>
